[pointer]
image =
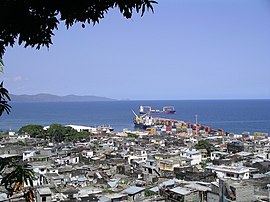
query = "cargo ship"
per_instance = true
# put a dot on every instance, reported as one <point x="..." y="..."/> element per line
<point x="142" y="122"/>
<point x="149" y="110"/>
<point x="163" y="126"/>
<point x="147" y="121"/>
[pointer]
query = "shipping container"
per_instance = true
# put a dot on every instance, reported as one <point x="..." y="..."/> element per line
<point x="168" y="128"/>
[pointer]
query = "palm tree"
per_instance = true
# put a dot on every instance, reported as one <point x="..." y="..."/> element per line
<point x="4" y="97"/>
<point x="16" y="180"/>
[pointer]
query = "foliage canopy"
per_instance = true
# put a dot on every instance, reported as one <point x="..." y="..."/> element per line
<point x="33" y="130"/>
<point x="33" y="22"/>
<point x="56" y="133"/>
<point x="203" y="144"/>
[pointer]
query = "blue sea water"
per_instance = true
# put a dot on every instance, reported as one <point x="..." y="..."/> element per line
<point x="230" y="115"/>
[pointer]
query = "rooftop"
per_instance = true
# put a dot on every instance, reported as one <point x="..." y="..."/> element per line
<point x="44" y="191"/>
<point x="181" y="190"/>
<point x="133" y="190"/>
<point x="231" y="169"/>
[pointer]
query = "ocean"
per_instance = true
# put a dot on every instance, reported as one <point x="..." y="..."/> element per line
<point x="233" y="116"/>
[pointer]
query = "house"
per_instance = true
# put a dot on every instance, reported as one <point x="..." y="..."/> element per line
<point x="28" y="154"/>
<point x="218" y="155"/>
<point x="89" y="193"/>
<point x="194" y="155"/>
<point x="204" y="154"/>
<point x="80" y="181"/>
<point x="239" y="193"/>
<point x="44" y="194"/>
<point x="168" y="161"/>
<point x="83" y="128"/>
<point x="262" y="151"/>
<point x="115" y="197"/>
<point x="39" y="158"/>
<point x="233" y="172"/>
<point x="23" y="136"/>
<point x="168" y="165"/>
<point x="71" y="193"/>
<point x="87" y="153"/>
<point x="135" y="194"/>
<point x="192" y="173"/>
<point x="67" y="160"/>
<point x="150" y="173"/>
<point x="182" y="194"/>
<point x="137" y="154"/>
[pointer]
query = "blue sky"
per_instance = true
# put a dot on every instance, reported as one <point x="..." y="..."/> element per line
<point x="187" y="49"/>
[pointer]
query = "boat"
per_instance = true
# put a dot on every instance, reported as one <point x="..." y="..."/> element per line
<point x="146" y="121"/>
<point x="143" y="122"/>
<point x="149" y="110"/>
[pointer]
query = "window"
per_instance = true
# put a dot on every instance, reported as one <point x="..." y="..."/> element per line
<point x="229" y="175"/>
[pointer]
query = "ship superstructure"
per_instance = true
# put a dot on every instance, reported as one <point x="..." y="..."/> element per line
<point x="149" y="110"/>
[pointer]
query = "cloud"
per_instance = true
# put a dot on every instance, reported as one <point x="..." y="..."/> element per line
<point x="15" y="79"/>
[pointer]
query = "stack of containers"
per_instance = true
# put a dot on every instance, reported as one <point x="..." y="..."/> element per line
<point x="173" y="129"/>
<point x="163" y="130"/>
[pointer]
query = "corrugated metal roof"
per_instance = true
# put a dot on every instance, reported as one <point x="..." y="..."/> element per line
<point x="167" y="183"/>
<point x="154" y="189"/>
<point x="133" y="190"/>
<point x="44" y="191"/>
<point x="181" y="190"/>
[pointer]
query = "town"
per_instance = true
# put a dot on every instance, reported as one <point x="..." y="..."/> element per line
<point x="141" y="165"/>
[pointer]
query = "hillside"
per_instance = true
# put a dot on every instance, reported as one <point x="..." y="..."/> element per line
<point x="43" y="97"/>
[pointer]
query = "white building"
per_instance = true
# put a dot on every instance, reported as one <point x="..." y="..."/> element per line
<point x="28" y="154"/>
<point x="83" y="128"/>
<point x="218" y="154"/>
<point x="194" y="155"/>
<point x="87" y="153"/>
<point x="44" y="194"/>
<point x="23" y="136"/>
<point x="68" y="160"/>
<point x="233" y="172"/>
<point x="140" y="155"/>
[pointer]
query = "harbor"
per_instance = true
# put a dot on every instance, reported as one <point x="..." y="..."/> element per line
<point x="167" y="126"/>
<point x="181" y="162"/>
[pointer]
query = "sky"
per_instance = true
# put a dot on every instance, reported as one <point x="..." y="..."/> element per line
<point x="187" y="49"/>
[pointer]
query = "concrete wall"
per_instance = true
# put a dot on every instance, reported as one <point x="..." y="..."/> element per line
<point x="212" y="197"/>
<point x="245" y="194"/>
<point x="194" y="197"/>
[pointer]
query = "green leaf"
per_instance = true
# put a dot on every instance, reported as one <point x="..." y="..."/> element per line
<point x="1" y="65"/>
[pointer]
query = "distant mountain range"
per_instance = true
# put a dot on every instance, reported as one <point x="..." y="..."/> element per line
<point x="43" y="97"/>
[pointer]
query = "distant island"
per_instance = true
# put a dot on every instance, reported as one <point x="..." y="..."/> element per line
<point x="44" y="97"/>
